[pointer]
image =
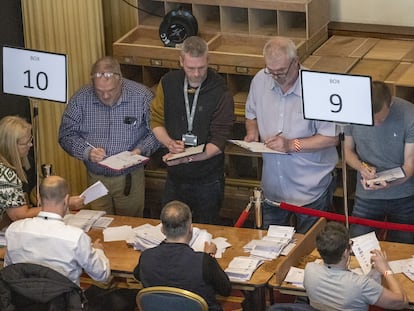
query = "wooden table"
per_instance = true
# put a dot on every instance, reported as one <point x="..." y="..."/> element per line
<point x="395" y="251"/>
<point x="124" y="258"/>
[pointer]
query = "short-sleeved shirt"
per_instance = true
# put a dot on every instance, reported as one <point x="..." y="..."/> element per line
<point x="338" y="289"/>
<point x="383" y="147"/>
<point x="297" y="178"/>
<point x="11" y="190"/>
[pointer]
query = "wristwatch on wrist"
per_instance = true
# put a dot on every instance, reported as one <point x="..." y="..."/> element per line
<point x="388" y="272"/>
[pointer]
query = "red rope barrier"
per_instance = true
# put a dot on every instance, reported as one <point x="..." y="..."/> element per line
<point x="351" y="219"/>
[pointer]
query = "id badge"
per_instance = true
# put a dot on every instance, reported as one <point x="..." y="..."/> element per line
<point x="189" y="139"/>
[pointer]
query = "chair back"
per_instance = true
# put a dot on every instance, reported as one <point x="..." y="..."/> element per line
<point x="291" y="307"/>
<point x="157" y="298"/>
<point x="27" y="286"/>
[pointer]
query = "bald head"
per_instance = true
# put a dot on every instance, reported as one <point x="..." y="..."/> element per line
<point x="176" y="220"/>
<point x="54" y="194"/>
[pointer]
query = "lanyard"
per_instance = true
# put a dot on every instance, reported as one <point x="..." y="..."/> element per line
<point x="190" y="114"/>
<point x="50" y="218"/>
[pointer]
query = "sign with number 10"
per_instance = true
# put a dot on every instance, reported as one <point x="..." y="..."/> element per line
<point x="341" y="98"/>
<point x="35" y="74"/>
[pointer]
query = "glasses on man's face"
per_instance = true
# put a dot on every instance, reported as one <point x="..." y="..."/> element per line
<point x="27" y="143"/>
<point x="278" y="75"/>
<point x="105" y="75"/>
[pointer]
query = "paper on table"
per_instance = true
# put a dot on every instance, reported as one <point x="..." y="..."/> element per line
<point x="241" y="268"/>
<point x="295" y="276"/>
<point x="123" y="160"/>
<point x="83" y="219"/>
<point x="118" y="233"/>
<point x="102" y="222"/>
<point x="362" y="247"/>
<point x="188" y="152"/>
<point x="254" y="146"/>
<point x="94" y="192"/>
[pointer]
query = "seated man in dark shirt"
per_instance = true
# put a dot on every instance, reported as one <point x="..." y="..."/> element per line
<point x="174" y="263"/>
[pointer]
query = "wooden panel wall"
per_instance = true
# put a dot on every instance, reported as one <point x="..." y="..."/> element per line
<point x="75" y="28"/>
<point x="119" y="18"/>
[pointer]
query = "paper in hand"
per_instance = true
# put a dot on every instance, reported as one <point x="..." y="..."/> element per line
<point x="94" y="192"/>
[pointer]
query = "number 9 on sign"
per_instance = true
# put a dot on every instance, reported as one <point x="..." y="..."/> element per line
<point x="341" y="98"/>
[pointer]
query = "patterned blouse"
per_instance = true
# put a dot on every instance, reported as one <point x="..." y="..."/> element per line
<point x="11" y="190"/>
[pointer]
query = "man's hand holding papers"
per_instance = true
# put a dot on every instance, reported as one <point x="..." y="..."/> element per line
<point x="148" y="236"/>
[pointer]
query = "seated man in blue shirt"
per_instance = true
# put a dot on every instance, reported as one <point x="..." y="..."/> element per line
<point x="331" y="286"/>
<point x="174" y="263"/>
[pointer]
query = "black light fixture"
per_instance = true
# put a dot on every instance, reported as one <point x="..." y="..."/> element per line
<point x="176" y="26"/>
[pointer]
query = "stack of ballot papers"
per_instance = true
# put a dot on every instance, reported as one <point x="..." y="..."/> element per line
<point x="405" y="266"/>
<point x="2" y="238"/>
<point x="85" y="219"/>
<point x="241" y="268"/>
<point x="273" y="244"/>
<point x="148" y="236"/>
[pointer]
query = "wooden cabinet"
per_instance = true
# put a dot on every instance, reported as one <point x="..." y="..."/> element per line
<point x="235" y="32"/>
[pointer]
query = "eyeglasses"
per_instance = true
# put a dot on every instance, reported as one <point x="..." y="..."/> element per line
<point x="29" y="142"/>
<point x="105" y="75"/>
<point x="277" y="74"/>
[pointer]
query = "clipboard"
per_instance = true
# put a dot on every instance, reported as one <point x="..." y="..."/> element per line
<point x="188" y="152"/>
<point x="123" y="160"/>
<point x="387" y="176"/>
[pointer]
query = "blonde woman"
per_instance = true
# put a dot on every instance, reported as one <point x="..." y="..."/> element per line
<point x="15" y="142"/>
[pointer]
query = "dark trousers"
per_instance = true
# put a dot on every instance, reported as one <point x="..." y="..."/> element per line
<point x="204" y="199"/>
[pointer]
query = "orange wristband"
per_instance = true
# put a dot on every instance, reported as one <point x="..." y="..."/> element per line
<point x="297" y="145"/>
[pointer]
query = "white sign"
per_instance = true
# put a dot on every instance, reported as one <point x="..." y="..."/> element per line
<point x="341" y="98"/>
<point x="35" y="74"/>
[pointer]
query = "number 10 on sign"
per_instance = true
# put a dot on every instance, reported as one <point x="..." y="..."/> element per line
<point x="35" y="74"/>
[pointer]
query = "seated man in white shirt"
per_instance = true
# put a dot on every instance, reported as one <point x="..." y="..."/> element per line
<point x="46" y="240"/>
<point x="331" y="286"/>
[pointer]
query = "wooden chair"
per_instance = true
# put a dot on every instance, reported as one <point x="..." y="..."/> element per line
<point x="157" y="298"/>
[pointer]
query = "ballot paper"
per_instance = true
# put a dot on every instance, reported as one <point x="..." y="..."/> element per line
<point x="241" y="268"/>
<point x="273" y="244"/>
<point x="83" y="219"/>
<point x="266" y="250"/>
<point x="388" y="176"/>
<point x="94" y="192"/>
<point x="295" y="276"/>
<point x="123" y="160"/>
<point x="254" y="146"/>
<point x="281" y="234"/>
<point x="362" y="247"/>
<point x="119" y="233"/>
<point x="102" y="222"/>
